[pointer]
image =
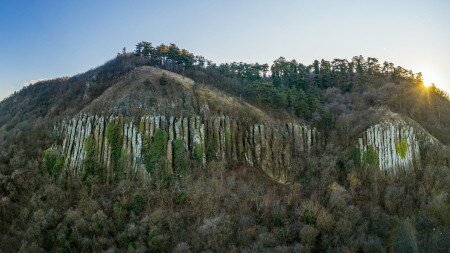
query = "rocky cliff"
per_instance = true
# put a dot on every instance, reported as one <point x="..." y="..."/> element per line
<point x="393" y="144"/>
<point x="274" y="148"/>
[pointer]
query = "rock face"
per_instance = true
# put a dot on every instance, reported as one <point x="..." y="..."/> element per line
<point x="270" y="147"/>
<point x="393" y="144"/>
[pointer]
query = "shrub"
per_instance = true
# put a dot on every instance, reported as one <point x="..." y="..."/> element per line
<point x="405" y="238"/>
<point x="115" y="141"/>
<point x="325" y="220"/>
<point x="157" y="241"/>
<point x="163" y="80"/>
<point x="344" y="229"/>
<point x="147" y="82"/>
<point x="309" y="234"/>
<point x="100" y="223"/>
<point x="155" y="155"/>
<point x="211" y="149"/>
<point x="119" y="215"/>
<point x="138" y="203"/>
<point x="309" y="211"/>
<point x="180" y="156"/>
<point x="370" y="156"/>
<point x="53" y="162"/>
<point x="198" y="153"/>
<point x="90" y="165"/>
<point x="181" y="198"/>
<point x="355" y="155"/>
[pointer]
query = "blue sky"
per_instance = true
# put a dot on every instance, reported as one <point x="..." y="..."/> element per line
<point x="47" y="39"/>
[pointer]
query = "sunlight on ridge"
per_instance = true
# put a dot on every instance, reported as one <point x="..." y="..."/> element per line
<point x="429" y="78"/>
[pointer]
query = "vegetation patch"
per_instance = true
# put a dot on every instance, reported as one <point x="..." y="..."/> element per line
<point x="180" y="156"/>
<point x="401" y="146"/>
<point x="138" y="204"/>
<point x="147" y="82"/>
<point x="119" y="214"/>
<point x="163" y="80"/>
<point x="211" y="149"/>
<point x="370" y="156"/>
<point x="404" y="238"/>
<point x="155" y="154"/>
<point x="53" y="162"/>
<point x="227" y="138"/>
<point x="198" y="152"/>
<point x="91" y="168"/>
<point x="180" y="198"/>
<point x="355" y="155"/>
<point x="114" y="136"/>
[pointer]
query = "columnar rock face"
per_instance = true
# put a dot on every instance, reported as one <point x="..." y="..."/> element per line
<point x="393" y="144"/>
<point x="272" y="148"/>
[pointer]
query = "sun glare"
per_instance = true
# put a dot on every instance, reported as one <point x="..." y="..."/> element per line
<point x="429" y="78"/>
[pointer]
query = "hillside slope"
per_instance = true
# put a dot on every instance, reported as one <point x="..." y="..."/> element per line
<point x="156" y="154"/>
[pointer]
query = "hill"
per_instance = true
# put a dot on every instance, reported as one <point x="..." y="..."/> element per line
<point x="160" y="151"/>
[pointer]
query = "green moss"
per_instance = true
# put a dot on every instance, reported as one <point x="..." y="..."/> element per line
<point x="180" y="156"/>
<point x="198" y="153"/>
<point x="401" y="146"/>
<point x="141" y="126"/>
<point x="227" y="136"/>
<point x="53" y="162"/>
<point x="114" y="136"/>
<point x="370" y="156"/>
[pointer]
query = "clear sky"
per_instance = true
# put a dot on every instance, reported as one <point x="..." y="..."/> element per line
<point x="47" y="39"/>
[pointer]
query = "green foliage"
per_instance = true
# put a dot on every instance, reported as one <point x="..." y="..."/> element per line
<point x="401" y="146"/>
<point x="308" y="216"/>
<point x="119" y="214"/>
<point x="211" y="149"/>
<point x="268" y="94"/>
<point x="180" y="156"/>
<point x="114" y="136"/>
<point x="181" y="198"/>
<point x="53" y="162"/>
<point x="155" y="154"/>
<point x="370" y="156"/>
<point x="138" y="203"/>
<point x="355" y="155"/>
<point x="157" y="242"/>
<point x="198" y="153"/>
<point x="91" y="168"/>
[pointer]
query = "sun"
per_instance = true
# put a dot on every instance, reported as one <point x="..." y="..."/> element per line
<point x="429" y="78"/>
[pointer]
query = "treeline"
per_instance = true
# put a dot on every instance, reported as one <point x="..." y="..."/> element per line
<point x="288" y="85"/>
<point x="169" y="56"/>
<point x="291" y="74"/>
